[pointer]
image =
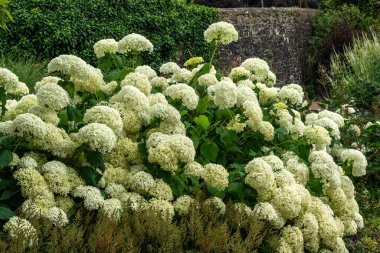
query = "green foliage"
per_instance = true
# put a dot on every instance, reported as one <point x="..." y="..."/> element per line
<point x="28" y="69"/>
<point x="202" y="230"/>
<point x="333" y="29"/>
<point x="5" y="15"/>
<point x="355" y="74"/>
<point x="49" y="28"/>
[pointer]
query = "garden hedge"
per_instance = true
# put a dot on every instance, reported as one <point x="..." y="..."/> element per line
<point x="48" y="28"/>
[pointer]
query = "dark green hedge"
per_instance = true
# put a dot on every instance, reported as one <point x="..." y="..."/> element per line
<point x="48" y="28"/>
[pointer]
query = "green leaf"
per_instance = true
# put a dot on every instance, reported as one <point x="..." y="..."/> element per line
<point x="7" y="195"/>
<point x="209" y="151"/>
<point x="105" y="63"/>
<point x="90" y="175"/>
<point x="6" y="141"/>
<point x="117" y="75"/>
<point x="68" y="86"/>
<point x="202" y="105"/>
<point x="6" y="213"/>
<point x="95" y="158"/>
<point x="228" y="137"/>
<point x="204" y="70"/>
<point x="236" y="189"/>
<point x="3" y="100"/>
<point x="6" y="158"/>
<point x="202" y="121"/>
<point x="6" y="183"/>
<point x="73" y="114"/>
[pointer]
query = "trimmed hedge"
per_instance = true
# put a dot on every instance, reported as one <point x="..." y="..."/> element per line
<point x="48" y="28"/>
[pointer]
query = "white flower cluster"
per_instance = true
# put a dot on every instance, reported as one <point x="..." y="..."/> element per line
<point x="134" y="43"/>
<point x="221" y="32"/>
<point x="106" y="46"/>
<point x="9" y="81"/>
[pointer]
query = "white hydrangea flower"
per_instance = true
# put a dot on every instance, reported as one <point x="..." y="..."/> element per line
<point x="309" y="227"/>
<point x="356" y="159"/>
<point x="244" y="94"/>
<point x="115" y="190"/>
<point x="162" y="208"/>
<point x="105" y="46"/>
<point x="65" y="203"/>
<point x="336" y="117"/>
<point x="17" y="226"/>
<point x="265" y="211"/>
<point x="193" y="169"/>
<point x="134" y="43"/>
<point x="46" y="114"/>
<point x="267" y="129"/>
<point x="133" y="201"/>
<point x="182" y="76"/>
<point x="216" y="204"/>
<point x="185" y="93"/>
<point x="147" y="71"/>
<point x="161" y="190"/>
<point x="236" y="125"/>
<point x="224" y="94"/>
<point x="169" y="150"/>
<point x="247" y="83"/>
<point x="169" y="68"/>
<point x="20" y="107"/>
<point x="141" y="182"/>
<point x="138" y="80"/>
<point x="287" y="200"/>
<point x="216" y="175"/>
<point x="93" y="199"/>
<point x="157" y="98"/>
<point x="292" y="93"/>
<point x="53" y="96"/>
<point x="105" y="115"/>
<point x="260" y="175"/>
<point x="207" y="80"/>
<point x="221" y="32"/>
<point x="56" y="175"/>
<point x="290" y="239"/>
<point x="182" y="204"/>
<point x="46" y="80"/>
<point x="27" y="162"/>
<point x="259" y="69"/>
<point x="299" y="170"/>
<point x="239" y="73"/>
<point x="84" y="76"/>
<point x="98" y="136"/>
<point x="11" y="84"/>
<point x="267" y="94"/>
<point x="57" y="216"/>
<point x="318" y="136"/>
<point x="159" y="82"/>
<point x="112" y="208"/>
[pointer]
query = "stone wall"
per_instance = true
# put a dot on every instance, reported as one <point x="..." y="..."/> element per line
<point x="278" y="35"/>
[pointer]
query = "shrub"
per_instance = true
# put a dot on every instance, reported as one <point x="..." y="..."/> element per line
<point x="48" y="28"/>
<point x="134" y="142"/>
<point x="354" y="75"/>
<point x="5" y="15"/>
<point x="333" y="29"/>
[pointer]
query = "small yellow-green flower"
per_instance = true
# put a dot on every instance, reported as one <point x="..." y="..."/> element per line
<point x="193" y="61"/>
<point x="280" y="105"/>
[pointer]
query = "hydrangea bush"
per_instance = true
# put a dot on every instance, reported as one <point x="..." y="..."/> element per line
<point x="123" y="138"/>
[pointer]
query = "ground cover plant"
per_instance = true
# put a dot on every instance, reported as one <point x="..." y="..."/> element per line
<point x="127" y="143"/>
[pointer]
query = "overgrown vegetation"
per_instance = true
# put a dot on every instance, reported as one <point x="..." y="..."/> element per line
<point x="48" y="28"/>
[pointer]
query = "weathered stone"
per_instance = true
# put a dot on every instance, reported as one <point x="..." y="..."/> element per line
<point x="278" y="35"/>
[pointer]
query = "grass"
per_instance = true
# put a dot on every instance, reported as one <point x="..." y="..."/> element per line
<point x="28" y="70"/>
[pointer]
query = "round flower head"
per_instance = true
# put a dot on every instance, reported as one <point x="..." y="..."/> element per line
<point x="53" y="96"/>
<point x="157" y="98"/>
<point x="291" y="240"/>
<point x="11" y="84"/>
<point x="216" y="175"/>
<point x="138" y="80"/>
<point x="224" y="94"/>
<point x="98" y="136"/>
<point x="260" y="175"/>
<point x="193" y="169"/>
<point x="93" y="199"/>
<point x="134" y="43"/>
<point x="356" y="159"/>
<point x="147" y="71"/>
<point x="221" y="32"/>
<point x="193" y="62"/>
<point x="287" y="201"/>
<point x="46" y="114"/>
<point x="239" y="73"/>
<point x="292" y="93"/>
<point x="16" y="108"/>
<point x="265" y="211"/>
<point x="185" y="93"/>
<point x="182" y="76"/>
<point x="19" y="228"/>
<point x="56" y="176"/>
<point x="259" y="69"/>
<point x="105" y="115"/>
<point x="141" y="182"/>
<point x="57" y="216"/>
<point x="169" y="68"/>
<point x="161" y="190"/>
<point x="106" y="46"/>
<point x="215" y="204"/>
<point x="162" y="208"/>
<point x="207" y="80"/>
<point x="159" y="82"/>
<point x="182" y="204"/>
<point x="318" y="136"/>
<point x="46" y="80"/>
<point x="112" y="208"/>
